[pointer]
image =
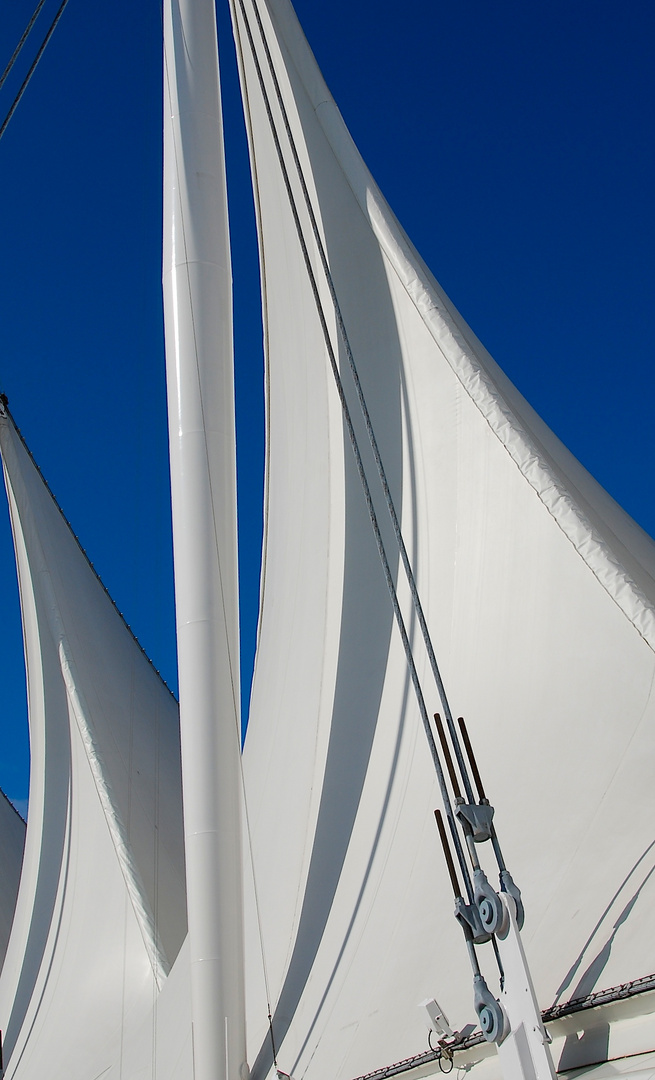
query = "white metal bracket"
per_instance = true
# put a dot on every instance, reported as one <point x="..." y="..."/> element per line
<point x="524" y="1052"/>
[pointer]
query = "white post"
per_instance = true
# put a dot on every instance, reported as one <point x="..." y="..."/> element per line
<point x="198" y="324"/>
<point x="524" y="1052"/>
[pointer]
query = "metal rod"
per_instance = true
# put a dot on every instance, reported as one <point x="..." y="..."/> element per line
<point x="498" y="853"/>
<point x="471" y="757"/>
<point x="448" y="855"/>
<point x="472" y="956"/>
<point x="446" y="753"/>
<point x="501" y="969"/>
<point x="470" y="843"/>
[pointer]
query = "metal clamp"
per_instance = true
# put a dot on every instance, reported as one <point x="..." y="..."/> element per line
<point x="492" y="1016"/>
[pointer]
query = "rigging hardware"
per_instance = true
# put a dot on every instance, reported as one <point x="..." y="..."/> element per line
<point x="488" y="915"/>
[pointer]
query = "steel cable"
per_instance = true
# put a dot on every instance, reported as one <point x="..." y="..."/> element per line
<point x="355" y="446"/>
<point x="24" y="84"/>
<point x="26" y="32"/>
<point x="418" y="607"/>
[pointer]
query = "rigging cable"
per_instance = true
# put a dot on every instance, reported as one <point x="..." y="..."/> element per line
<point x="418" y="607"/>
<point x="33" y="66"/>
<point x="360" y="466"/>
<point x="14" y="55"/>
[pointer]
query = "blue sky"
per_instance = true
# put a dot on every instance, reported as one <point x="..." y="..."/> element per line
<point x="515" y="143"/>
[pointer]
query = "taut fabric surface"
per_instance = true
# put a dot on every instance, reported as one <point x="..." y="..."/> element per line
<point x="539" y="595"/>
<point x="101" y="910"/>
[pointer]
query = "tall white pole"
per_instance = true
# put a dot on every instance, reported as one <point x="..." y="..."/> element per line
<point x="198" y="324"/>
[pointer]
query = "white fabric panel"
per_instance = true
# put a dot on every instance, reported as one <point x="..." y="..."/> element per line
<point x="162" y="1043"/>
<point x="95" y="980"/>
<point x="101" y="908"/>
<point x="12" y="843"/>
<point x="540" y="596"/>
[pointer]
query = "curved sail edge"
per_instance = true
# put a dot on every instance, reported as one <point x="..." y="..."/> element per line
<point x="100" y="915"/>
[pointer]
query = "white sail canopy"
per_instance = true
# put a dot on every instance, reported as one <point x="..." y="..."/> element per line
<point x="539" y="593"/>
<point x="101" y="912"/>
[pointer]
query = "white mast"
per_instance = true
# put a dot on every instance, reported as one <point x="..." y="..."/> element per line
<point x="198" y="322"/>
